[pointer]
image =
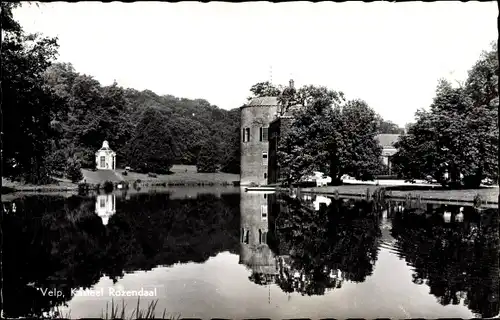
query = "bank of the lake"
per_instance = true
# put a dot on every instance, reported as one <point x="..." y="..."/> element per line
<point x="486" y="195"/>
<point x="57" y="186"/>
<point x="182" y="175"/>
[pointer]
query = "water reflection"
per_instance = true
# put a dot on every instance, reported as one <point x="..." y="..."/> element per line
<point x="324" y="252"/>
<point x="56" y="243"/>
<point x="323" y="242"/>
<point x="456" y="253"/>
<point x="105" y="206"/>
<point x="254" y="251"/>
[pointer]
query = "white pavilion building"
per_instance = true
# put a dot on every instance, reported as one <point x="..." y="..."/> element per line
<point x="105" y="158"/>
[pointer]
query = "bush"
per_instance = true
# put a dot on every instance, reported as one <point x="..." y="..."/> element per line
<point x="108" y="186"/>
<point x="125" y="173"/>
<point x="56" y="163"/>
<point x="207" y="158"/>
<point x="73" y="170"/>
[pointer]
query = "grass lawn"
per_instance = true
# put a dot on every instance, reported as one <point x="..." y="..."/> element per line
<point x="182" y="174"/>
<point x="487" y="194"/>
<point x="58" y="184"/>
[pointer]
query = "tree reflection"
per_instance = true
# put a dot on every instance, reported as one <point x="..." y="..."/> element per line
<point x="320" y="249"/>
<point x="458" y="260"/>
<point x="53" y="242"/>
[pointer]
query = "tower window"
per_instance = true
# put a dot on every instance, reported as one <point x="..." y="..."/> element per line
<point x="264" y="134"/>
<point x="246" y="134"/>
<point x="265" y="175"/>
<point x="264" y="158"/>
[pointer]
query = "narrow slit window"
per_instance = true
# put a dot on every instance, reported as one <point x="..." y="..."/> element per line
<point x="247" y="134"/>
<point x="263" y="134"/>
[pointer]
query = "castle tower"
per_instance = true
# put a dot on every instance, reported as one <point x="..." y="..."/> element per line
<point x="254" y="251"/>
<point x="256" y="116"/>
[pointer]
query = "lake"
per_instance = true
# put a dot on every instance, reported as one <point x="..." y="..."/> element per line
<point x="223" y="253"/>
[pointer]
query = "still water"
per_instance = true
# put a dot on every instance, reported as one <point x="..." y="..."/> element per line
<point x="239" y="255"/>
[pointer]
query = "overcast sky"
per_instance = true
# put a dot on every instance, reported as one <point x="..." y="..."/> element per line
<point x="388" y="54"/>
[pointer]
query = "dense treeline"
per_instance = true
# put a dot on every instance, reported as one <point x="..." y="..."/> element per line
<point x="149" y="132"/>
<point x="58" y="118"/>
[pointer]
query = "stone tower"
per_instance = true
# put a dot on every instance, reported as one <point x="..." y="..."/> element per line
<point x="256" y="116"/>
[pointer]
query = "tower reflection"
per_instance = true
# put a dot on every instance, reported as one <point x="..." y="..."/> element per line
<point x="254" y="250"/>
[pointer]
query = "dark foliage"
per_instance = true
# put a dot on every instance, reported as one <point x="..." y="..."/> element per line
<point x="340" y="237"/>
<point x="74" y="170"/>
<point x="459" y="262"/>
<point x="207" y="158"/>
<point x="151" y="147"/>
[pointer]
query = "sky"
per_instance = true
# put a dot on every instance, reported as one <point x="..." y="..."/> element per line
<point x="389" y="54"/>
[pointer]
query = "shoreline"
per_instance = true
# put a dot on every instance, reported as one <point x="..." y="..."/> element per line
<point x="488" y="196"/>
<point x="11" y="188"/>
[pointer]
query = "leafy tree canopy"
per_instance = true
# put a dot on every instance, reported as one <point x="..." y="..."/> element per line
<point x="456" y="141"/>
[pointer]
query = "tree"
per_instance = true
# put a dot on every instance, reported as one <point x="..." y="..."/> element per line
<point x="208" y="158"/>
<point x="151" y="147"/>
<point x="330" y="137"/>
<point x="303" y="148"/>
<point x="28" y="105"/>
<point x="232" y="157"/>
<point x="264" y="89"/>
<point x="74" y="170"/>
<point x="456" y="141"/>
<point x="388" y="127"/>
<point x="354" y="149"/>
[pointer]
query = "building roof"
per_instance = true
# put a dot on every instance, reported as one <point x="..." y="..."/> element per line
<point x="262" y="101"/>
<point x="105" y="147"/>
<point x="387" y="140"/>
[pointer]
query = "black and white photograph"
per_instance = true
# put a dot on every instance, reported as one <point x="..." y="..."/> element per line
<point x="253" y="160"/>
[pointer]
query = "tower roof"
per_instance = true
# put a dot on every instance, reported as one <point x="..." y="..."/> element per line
<point x="262" y="101"/>
<point x="105" y="147"/>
